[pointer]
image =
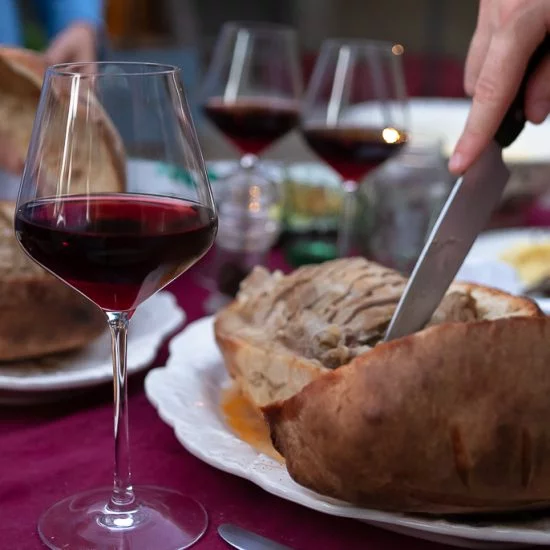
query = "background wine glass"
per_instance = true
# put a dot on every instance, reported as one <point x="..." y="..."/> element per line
<point x="251" y="93"/>
<point x="354" y="115"/>
<point x="253" y="86"/>
<point x="85" y="214"/>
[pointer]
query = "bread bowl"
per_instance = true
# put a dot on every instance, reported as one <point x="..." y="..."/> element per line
<point x="40" y="314"/>
<point x="452" y="419"/>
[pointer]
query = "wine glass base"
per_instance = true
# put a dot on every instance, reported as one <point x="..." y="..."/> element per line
<point x="161" y="519"/>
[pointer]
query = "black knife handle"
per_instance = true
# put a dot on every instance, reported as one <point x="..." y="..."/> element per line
<point x="514" y="120"/>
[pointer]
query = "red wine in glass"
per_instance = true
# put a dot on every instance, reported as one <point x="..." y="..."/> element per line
<point x="116" y="249"/>
<point x="253" y="123"/>
<point x="354" y="151"/>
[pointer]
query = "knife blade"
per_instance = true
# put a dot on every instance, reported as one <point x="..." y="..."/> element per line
<point x="247" y="540"/>
<point x="464" y="215"/>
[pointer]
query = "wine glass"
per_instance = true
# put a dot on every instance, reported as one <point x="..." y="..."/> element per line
<point x="96" y="209"/>
<point x="253" y="86"/>
<point x="354" y="115"/>
<point x="251" y="93"/>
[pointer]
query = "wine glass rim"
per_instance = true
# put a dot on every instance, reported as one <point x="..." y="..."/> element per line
<point x="360" y="43"/>
<point x="259" y="26"/>
<point x="92" y="68"/>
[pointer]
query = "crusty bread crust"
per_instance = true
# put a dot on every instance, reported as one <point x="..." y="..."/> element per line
<point x="451" y="419"/>
<point x="40" y="314"/>
<point x="21" y="75"/>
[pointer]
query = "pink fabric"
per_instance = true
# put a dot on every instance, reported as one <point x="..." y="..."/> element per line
<point x="48" y="452"/>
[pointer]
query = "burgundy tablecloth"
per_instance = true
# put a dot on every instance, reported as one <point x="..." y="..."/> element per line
<point x="48" y="452"/>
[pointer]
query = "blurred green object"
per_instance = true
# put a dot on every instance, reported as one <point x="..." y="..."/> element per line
<point x="313" y="199"/>
<point x="310" y="251"/>
<point x="176" y="173"/>
<point x="34" y="37"/>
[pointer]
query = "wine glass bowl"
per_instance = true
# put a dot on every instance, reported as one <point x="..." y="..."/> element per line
<point x="252" y="124"/>
<point x="353" y="151"/>
<point x="85" y="214"/>
<point x="253" y="84"/>
<point x="354" y="114"/>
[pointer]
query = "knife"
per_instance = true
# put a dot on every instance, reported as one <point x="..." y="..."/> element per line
<point x="464" y="215"/>
<point x="246" y="540"/>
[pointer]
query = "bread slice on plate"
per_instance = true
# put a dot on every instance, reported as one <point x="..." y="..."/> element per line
<point x="451" y="419"/>
<point x="40" y="314"/>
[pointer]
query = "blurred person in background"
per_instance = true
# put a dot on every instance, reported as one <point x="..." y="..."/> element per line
<point x="68" y="32"/>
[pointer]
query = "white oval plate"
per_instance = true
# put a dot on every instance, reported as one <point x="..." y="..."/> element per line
<point x="483" y="264"/>
<point x="153" y="321"/>
<point x="187" y="394"/>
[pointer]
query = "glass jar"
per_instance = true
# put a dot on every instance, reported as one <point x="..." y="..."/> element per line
<point x="401" y="201"/>
<point x="249" y="214"/>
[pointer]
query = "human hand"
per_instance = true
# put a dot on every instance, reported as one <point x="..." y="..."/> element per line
<point x="75" y="44"/>
<point x="507" y="34"/>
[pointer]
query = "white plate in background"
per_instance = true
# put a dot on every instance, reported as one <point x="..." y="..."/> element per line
<point x="445" y="118"/>
<point x="187" y="395"/>
<point x="483" y="264"/>
<point x="155" y="319"/>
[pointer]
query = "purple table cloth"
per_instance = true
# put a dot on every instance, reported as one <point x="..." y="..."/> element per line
<point x="50" y="451"/>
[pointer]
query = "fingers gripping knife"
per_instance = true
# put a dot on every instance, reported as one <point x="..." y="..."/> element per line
<point x="464" y="215"/>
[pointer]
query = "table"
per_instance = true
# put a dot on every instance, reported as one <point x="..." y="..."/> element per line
<point x="48" y="452"/>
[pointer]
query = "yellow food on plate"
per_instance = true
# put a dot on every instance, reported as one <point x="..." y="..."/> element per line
<point x="531" y="260"/>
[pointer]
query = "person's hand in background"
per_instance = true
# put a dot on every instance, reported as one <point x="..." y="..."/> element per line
<point x="507" y="34"/>
<point x="74" y="44"/>
<point x="73" y="29"/>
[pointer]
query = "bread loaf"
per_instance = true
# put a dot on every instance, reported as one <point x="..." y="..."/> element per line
<point x="451" y="419"/>
<point x="40" y="314"/>
<point x="96" y="151"/>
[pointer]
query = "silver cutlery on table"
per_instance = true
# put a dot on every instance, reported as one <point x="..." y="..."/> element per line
<point x="247" y="540"/>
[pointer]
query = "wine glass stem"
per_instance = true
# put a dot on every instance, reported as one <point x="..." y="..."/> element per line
<point x="346" y="230"/>
<point x="123" y="493"/>
<point x="248" y="163"/>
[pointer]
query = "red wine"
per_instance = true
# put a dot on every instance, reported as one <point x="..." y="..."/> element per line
<point x="353" y="151"/>
<point x="253" y="123"/>
<point x="116" y="249"/>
